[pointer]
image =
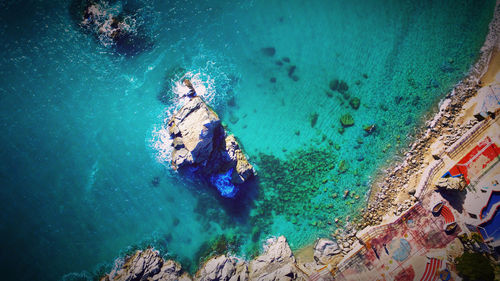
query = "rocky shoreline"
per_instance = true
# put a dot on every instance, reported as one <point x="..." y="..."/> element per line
<point x="443" y="127"/>
<point x="391" y="195"/>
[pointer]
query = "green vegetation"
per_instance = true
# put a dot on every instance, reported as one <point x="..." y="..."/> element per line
<point x="474" y="267"/>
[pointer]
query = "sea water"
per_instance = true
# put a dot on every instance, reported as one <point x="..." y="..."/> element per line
<point x="85" y="176"/>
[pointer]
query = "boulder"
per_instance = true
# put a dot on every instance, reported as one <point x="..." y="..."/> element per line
<point x="325" y="250"/>
<point x="277" y="262"/>
<point x="146" y="265"/>
<point x="200" y="142"/>
<point x="223" y="268"/>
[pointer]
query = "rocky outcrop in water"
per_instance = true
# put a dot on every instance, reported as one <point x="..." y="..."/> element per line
<point x="201" y="143"/>
<point x="146" y="265"/>
<point x="113" y="27"/>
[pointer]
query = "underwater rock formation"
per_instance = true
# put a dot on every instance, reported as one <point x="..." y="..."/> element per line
<point x="146" y="265"/>
<point x="200" y="143"/>
<point x="113" y="27"/>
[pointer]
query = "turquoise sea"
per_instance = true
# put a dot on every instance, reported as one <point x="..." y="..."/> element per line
<point x="84" y="169"/>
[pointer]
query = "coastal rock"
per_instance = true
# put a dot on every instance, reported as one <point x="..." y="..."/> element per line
<point x="277" y="262"/>
<point x="243" y="170"/>
<point x="223" y="268"/>
<point x="146" y="265"/>
<point x="200" y="142"/>
<point x="325" y="250"/>
<point x="199" y="129"/>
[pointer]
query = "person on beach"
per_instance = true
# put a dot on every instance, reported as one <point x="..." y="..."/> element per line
<point x="385" y="248"/>
<point x="375" y="251"/>
<point x="192" y="91"/>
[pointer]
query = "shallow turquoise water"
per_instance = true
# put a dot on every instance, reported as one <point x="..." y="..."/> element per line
<point x="80" y="123"/>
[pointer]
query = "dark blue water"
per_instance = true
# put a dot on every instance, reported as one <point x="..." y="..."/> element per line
<point x="81" y="122"/>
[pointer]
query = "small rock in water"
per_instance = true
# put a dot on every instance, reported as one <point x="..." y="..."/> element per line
<point x="343" y="87"/>
<point x="286" y="59"/>
<point x="334" y="84"/>
<point x="273" y="80"/>
<point x="313" y="118"/>
<point x="279" y="63"/>
<point x="346" y="120"/>
<point x="231" y="102"/>
<point x="155" y="181"/>
<point x="355" y="102"/>
<point x="175" y="221"/>
<point x="365" y="75"/>
<point x="268" y="51"/>
<point x="291" y="70"/>
<point x="234" y="119"/>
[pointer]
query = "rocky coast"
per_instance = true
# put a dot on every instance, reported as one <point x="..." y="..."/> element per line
<point x="400" y="187"/>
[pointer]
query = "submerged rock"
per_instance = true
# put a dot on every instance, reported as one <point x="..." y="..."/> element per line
<point x="200" y="142"/>
<point x="113" y="27"/>
<point x="268" y="51"/>
<point x="346" y="120"/>
<point x="355" y="102"/>
<point x="146" y="265"/>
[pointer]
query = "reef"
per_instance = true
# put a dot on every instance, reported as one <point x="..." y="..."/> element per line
<point x="113" y="26"/>
<point x="201" y="145"/>
<point x="288" y="188"/>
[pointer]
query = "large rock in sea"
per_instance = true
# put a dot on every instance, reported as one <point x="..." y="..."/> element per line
<point x="144" y="266"/>
<point x="201" y="144"/>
